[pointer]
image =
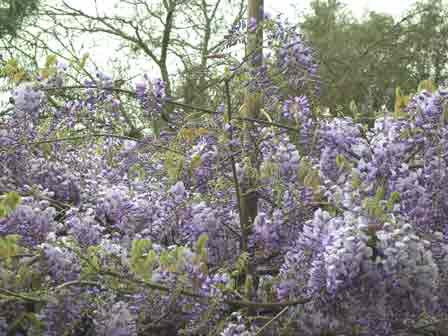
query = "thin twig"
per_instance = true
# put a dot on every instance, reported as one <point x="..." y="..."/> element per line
<point x="232" y="158"/>
<point x="97" y="135"/>
<point x="276" y="317"/>
<point x="8" y="293"/>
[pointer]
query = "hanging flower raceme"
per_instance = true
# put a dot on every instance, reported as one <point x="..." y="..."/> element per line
<point x="33" y="221"/>
<point x="295" y="59"/>
<point x="152" y="97"/>
<point x="27" y="103"/>
<point x="266" y="232"/>
<point x="427" y="108"/>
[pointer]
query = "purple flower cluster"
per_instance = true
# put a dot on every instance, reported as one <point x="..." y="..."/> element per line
<point x="64" y="314"/>
<point x="427" y="108"/>
<point x="213" y="220"/>
<point x="295" y="61"/>
<point x="237" y="327"/>
<point x="33" y="222"/>
<point x="200" y="162"/>
<point x="136" y="237"/>
<point x="347" y="269"/>
<point x="294" y="58"/>
<point x="63" y="264"/>
<point x="266" y="232"/>
<point x="338" y="137"/>
<point x="27" y="102"/>
<point x="116" y="319"/>
<point x="297" y="108"/>
<point x="57" y="178"/>
<point x="84" y="227"/>
<point x="280" y="153"/>
<point x="152" y="96"/>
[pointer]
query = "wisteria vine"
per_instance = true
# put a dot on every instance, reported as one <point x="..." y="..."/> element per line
<point x="107" y="228"/>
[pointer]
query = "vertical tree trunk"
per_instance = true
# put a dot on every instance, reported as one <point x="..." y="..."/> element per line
<point x="254" y="53"/>
<point x="169" y="20"/>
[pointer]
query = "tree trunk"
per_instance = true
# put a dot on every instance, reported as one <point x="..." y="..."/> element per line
<point x="254" y="54"/>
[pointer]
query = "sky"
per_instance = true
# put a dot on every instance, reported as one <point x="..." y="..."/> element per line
<point x="290" y="8"/>
<point x="358" y="7"/>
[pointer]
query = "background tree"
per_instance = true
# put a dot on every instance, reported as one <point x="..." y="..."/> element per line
<point x="180" y="41"/>
<point x="13" y="13"/>
<point x="426" y="41"/>
<point x="163" y="37"/>
<point x="364" y="60"/>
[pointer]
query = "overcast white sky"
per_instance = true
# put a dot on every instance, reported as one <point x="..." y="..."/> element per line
<point x="289" y="8"/>
<point x="394" y="7"/>
<point x="358" y="7"/>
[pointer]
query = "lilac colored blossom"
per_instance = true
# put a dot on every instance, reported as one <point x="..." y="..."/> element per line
<point x="281" y="153"/>
<point x="201" y="158"/>
<point x="115" y="209"/>
<point x="84" y="228"/>
<point x="266" y="232"/>
<point x="30" y="222"/>
<point x="152" y="96"/>
<point x="297" y="108"/>
<point x="27" y="101"/>
<point x="57" y="178"/>
<point x="63" y="264"/>
<point x="178" y="191"/>
<point x="212" y="220"/>
<point x="237" y="327"/>
<point x="252" y="25"/>
<point x="115" y="320"/>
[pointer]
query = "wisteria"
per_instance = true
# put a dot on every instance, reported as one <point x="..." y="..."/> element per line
<point x="151" y="95"/>
<point x="113" y="222"/>
<point x="27" y="100"/>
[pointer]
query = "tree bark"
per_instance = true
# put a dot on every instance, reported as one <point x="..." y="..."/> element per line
<point x="254" y="54"/>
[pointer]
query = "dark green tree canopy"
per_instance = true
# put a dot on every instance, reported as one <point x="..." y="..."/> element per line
<point x="365" y="60"/>
<point x="12" y="14"/>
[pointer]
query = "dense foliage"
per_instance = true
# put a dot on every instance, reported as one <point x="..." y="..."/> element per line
<point x="380" y="51"/>
<point x="117" y="219"/>
<point x="13" y="13"/>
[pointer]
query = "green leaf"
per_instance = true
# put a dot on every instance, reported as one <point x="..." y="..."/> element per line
<point x="195" y="162"/>
<point x="11" y="200"/>
<point x="156" y="123"/>
<point x="24" y="321"/>
<point x="93" y="263"/>
<point x="356" y="181"/>
<point x="164" y="259"/>
<point x="51" y="60"/>
<point x="248" y="286"/>
<point x="242" y="263"/>
<point x="354" y="110"/>
<point x="8" y="203"/>
<point x="393" y="199"/>
<point x="202" y="242"/>
<point x="304" y="168"/>
<point x="136" y="170"/>
<point x="9" y="247"/>
<point x="312" y="180"/>
<point x="427" y="85"/>
<point x="83" y="61"/>
<point x="11" y="67"/>
<point x="380" y="193"/>
<point x="140" y="261"/>
<point x="174" y="165"/>
<point x="340" y="160"/>
<point x="201" y="249"/>
<point x="268" y="169"/>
